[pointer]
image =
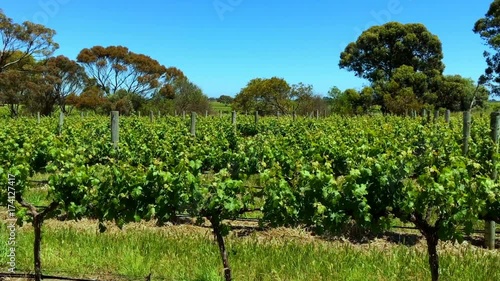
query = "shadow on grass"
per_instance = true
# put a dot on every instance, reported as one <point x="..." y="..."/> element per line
<point x="358" y="235"/>
<point x="479" y="241"/>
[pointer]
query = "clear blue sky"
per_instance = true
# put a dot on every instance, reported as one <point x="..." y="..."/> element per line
<point x="222" y="44"/>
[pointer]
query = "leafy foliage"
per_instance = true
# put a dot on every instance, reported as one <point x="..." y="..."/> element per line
<point x="380" y="50"/>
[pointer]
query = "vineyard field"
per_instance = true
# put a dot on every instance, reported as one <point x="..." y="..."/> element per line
<point x="319" y="174"/>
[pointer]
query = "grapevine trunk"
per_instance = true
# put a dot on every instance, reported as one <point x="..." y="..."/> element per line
<point x="222" y="249"/>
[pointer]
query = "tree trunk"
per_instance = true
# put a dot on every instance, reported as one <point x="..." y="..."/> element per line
<point x="222" y="249"/>
<point x="431" y="236"/>
<point x="432" y="241"/>
<point x="37" y="224"/>
<point x="14" y="110"/>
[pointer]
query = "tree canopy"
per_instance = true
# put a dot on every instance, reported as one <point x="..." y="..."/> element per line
<point x="19" y="41"/>
<point x="266" y="95"/>
<point x="488" y="29"/>
<point x="189" y="97"/>
<point x="115" y="68"/>
<point x="380" y="50"/>
<point x="225" y="99"/>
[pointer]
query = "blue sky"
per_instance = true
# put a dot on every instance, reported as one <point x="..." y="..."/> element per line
<point x="222" y="44"/>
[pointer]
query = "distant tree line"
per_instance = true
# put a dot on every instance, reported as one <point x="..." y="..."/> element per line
<point x="402" y="64"/>
<point x="100" y="79"/>
<point x="275" y="96"/>
<point x="404" y="68"/>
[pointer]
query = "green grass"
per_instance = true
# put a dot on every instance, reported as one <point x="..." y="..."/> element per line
<point x="217" y="106"/>
<point x="189" y="253"/>
<point x="37" y="196"/>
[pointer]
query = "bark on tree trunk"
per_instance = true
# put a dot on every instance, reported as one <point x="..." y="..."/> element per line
<point x="431" y="236"/>
<point x="37" y="225"/>
<point x="222" y="249"/>
<point x="432" y="242"/>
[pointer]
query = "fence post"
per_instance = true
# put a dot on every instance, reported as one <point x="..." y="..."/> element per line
<point x="424" y="115"/>
<point x="317" y="113"/>
<point x="277" y="114"/>
<point x="193" y="124"/>
<point x="159" y="114"/>
<point x="256" y="116"/>
<point x="61" y="122"/>
<point x="447" y="116"/>
<point x="38" y="117"/>
<point x="114" y="128"/>
<point x="489" y="227"/>
<point x="220" y="113"/>
<point x="233" y="118"/>
<point x="139" y="114"/>
<point x="436" y="115"/>
<point x="206" y="113"/>
<point x="184" y="114"/>
<point x="466" y="132"/>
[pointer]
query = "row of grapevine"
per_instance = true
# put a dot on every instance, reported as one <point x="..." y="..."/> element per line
<point x="321" y="174"/>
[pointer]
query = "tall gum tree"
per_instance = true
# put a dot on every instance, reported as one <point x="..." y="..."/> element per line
<point x="115" y="68"/>
<point x="488" y="28"/>
<point x="52" y="81"/>
<point x="20" y="41"/>
<point x="380" y="50"/>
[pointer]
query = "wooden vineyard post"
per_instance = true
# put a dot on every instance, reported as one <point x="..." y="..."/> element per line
<point x="184" y="114"/>
<point x="489" y="227"/>
<point x="114" y="128"/>
<point x="206" y="113"/>
<point x="278" y="114"/>
<point x="424" y="116"/>
<point x="38" y="117"/>
<point x="139" y="114"/>
<point x="466" y="132"/>
<point x="436" y="115"/>
<point x="193" y="124"/>
<point x="447" y="116"/>
<point x="220" y="113"/>
<point x="317" y="113"/>
<point x="233" y="118"/>
<point x="61" y="123"/>
<point x="256" y="117"/>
